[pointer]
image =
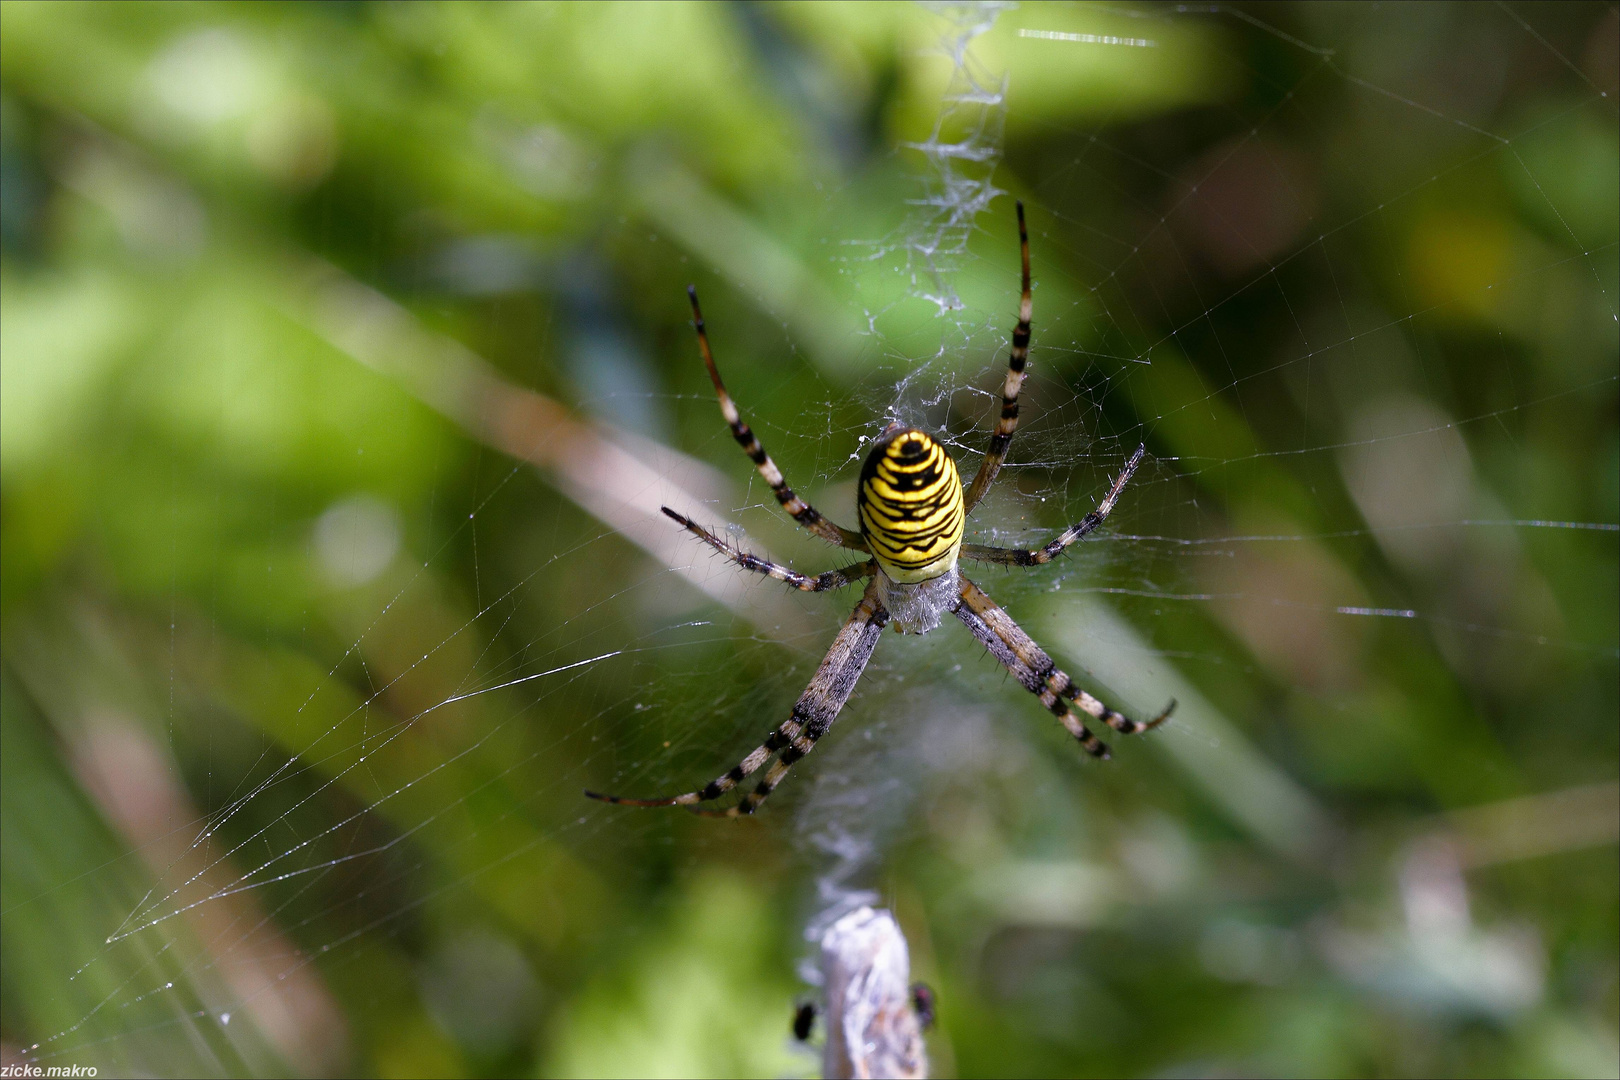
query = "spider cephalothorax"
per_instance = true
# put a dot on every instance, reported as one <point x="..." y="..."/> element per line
<point x="912" y="510"/>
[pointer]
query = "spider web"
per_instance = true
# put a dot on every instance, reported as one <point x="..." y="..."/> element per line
<point x="427" y="772"/>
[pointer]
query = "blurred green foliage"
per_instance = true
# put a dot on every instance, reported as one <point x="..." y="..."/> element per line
<point x="286" y="786"/>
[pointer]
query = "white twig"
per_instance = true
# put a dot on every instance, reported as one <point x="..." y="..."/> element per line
<point x="872" y="1029"/>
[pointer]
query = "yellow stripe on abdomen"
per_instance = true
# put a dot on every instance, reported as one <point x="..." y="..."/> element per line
<point x="910" y="502"/>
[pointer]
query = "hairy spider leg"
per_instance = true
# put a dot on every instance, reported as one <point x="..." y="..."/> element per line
<point x="822" y="701"/>
<point x="1030" y="665"/>
<point x="1042" y="555"/>
<point x="832" y="579"/>
<point x="811" y="718"/>
<point x="1017" y="359"/>
<point x="799" y="510"/>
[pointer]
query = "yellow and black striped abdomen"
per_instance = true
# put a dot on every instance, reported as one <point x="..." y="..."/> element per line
<point x="911" y="509"/>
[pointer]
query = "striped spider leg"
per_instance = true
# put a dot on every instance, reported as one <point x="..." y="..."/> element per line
<point x="799" y="510"/>
<point x="832" y="579"/>
<point x="1041" y="555"/>
<point x="812" y="717"/>
<point x="1030" y="665"/>
<point x="1017" y="359"/>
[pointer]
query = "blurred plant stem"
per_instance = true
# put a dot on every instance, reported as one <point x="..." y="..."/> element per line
<point x="620" y="478"/>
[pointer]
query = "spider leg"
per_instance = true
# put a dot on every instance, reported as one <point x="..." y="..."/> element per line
<point x="799" y="510"/>
<point x="1041" y="555"/>
<point x="1030" y="665"/>
<point x="996" y="455"/>
<point x="832" y="579"/>
<point x="811" y="718"/>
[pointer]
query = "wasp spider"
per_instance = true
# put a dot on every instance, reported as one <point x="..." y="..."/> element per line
<point x="912" y="508"/>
